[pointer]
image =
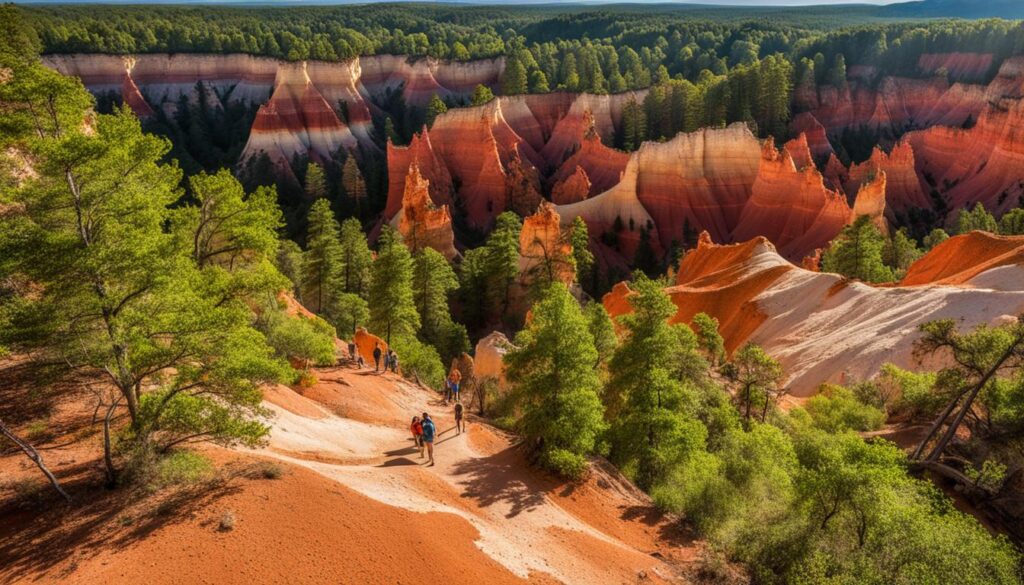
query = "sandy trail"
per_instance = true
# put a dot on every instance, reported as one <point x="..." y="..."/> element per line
<point x="600" y="530"/>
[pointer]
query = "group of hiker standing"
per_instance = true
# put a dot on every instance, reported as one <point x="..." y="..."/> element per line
<point x="423" y="429"/>
<point x="389" y="357"/>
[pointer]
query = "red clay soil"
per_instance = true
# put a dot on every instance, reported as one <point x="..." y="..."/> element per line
<point x="961" y="258"/>
<point x="300" y="528"/>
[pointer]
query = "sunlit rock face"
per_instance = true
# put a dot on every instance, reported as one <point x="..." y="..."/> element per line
<point x="422" y="223"/>
<point x="903" y="190"/>
<point x="420" y="153"/>
<point x="297" y="121"/>
<point x="791" y="207"/>
<point x="824" y="328"/>
<point x="572" y="189"/>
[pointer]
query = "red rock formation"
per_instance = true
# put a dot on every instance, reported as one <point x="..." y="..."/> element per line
<point x="572" y="189"/>
<point x="545" y="251"/>
<point x="961" y="259"/>
<point x="420" y="153"/>
<point x="979" y="165"/>
<point x="800" y="152"/>
<point x="816" y="137"/>
<point x="903" y="189"/>
<point x="619" y="206"/>
<point x="366" y="342"/>
<point x="421" y="223"/>
<point x="791" y="208"/>
<point x="603" y="165"/>
<point x="297" y="121"/>
<point x="700" y="180"/>
<point x="836" y="175"/>
<point x="871" y="201"/>
<point x="420" y="78"/>
<point x="523" y="186"/>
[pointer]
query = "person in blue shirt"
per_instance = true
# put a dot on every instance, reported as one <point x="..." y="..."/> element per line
<point x="429" y="431"/>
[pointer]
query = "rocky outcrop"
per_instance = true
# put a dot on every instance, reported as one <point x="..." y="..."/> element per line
<point x="903" y="189"/>
<point x="572" y="189"/>
<point x="616" y="212"/>
<point x="823" y="328"/>
<point x="814" y="134"/>
<point x="488" y="357"/>
<point x="792" y="208"/>
<point x="297" y="121"/>
<point x="422" y="223"/>
<point x="419" y="153"/>
<point x="545" y="250"/>
<point x="871" y="201"/>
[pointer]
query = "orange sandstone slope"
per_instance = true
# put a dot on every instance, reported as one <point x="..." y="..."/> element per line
<point x="824" y="328"/>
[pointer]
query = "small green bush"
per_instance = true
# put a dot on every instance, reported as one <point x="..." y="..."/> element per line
<point x="419" y="360"/>
<point x="837" y="409"/>
<point x="563" y="462"/>
<point x="182" y="468"/>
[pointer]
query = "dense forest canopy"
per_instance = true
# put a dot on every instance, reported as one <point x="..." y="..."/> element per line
<point x="630" y="42"/>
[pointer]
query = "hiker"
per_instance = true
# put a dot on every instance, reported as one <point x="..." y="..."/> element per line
<point x="428" y="436"/>
<point x="352" y="350"/>
<point x="394" y="361"/>
<point x="376" y="357"/>
<point x="417" y="433"/>
<point x="455" y="377"/>
<point x="459" y="425"/>
<point x="447" y="390"/>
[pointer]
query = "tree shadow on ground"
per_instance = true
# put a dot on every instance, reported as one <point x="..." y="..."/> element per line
<point x="500" y="478"/>
<point x="38" y="537"/>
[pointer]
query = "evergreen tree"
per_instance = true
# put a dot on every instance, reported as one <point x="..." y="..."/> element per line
<point x="857" y="253"/>
<point x="120" y="296"/>
<point x="356" y="259"/>
<point x="481" y="95"/>
<point x="654" y="428"/>
<point x="900" y="252"/>
<point x="977" y="218"/>
<point x="581" y="253"/>
<point x="433" y="282"/>
<point x="390" y="133"/>
<point x="934" y="238"/>
<point x="316" y="181"/>
<point x="346" y="312"/>
<point x="353" y="183"/>
<point x="757" y="376"/>
<point x="501" y="261"/>
<point x="392" y="306"/>
<point x="322" y="262"/>
<point x="837" y="75"/>
<point x="634" y="125"/>
<point x="1012" y="223"/>
<point x="539" y="82"/>
<point x="435" y="108"/>
<point x="289" y="263"/>
<point x="555" y="385"/>
<point x="513" y="79"/>
<point x="645" y="259"/>
<point x="602" y="330"/>
<point x="709" y="339"/>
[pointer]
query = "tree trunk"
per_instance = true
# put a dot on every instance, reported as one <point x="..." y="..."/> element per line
<point x="32" y="454"/>
<point x="108" y="458"/>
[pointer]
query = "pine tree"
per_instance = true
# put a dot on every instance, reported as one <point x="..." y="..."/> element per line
<point x="599" y="322"/>
<point x="900" y="252"/>
<point x="481" y="95"/>
<point x="539" y="82"/>
<point x="757" y="376"/>
<point x="857" y="253"/>
<point x="934" y="238"/>
<point x="356" y="259"/>
<point x="433" y="282"/>
<point x="634" y="125"/>
<point x="392" y="306"/>
<point x="837" y="75"/>
<point x="581" y="253"/>
<point x="654" y="428"/>
<point x="346" y="312"/>
<point x="289" y="263"/>
<point x="501" y="261"/>
<point x="555" y="385"/>
<point x="513" y="79"/>
<point x="435" y="108"/>
<point x="316" y="181"/>
<point x="709" y="339"/>
<point x="322" y="262"/>
<point x="353" y="183"/>
<point x="390" y="133"/>
<point x="977" y="218"/>
<point x="645" y="259"/>
<point x="1012" y="223"/>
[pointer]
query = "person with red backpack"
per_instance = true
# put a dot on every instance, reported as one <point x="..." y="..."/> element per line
<point x="417" y="433"/>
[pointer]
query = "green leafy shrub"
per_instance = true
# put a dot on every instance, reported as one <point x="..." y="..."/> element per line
<point x="419" y="360"/>
<point x="836" y="409"/>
